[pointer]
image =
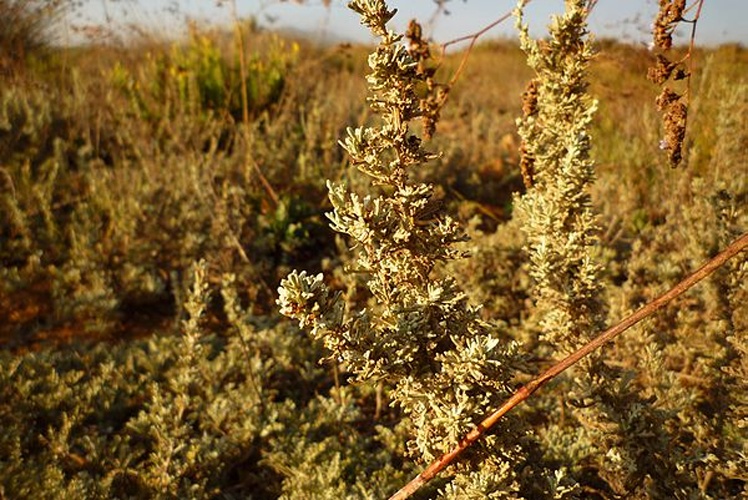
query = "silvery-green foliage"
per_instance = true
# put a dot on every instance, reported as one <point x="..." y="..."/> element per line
<point x="556" y="212"/>
<point x="558" y="219"/>
<point x="103" y="212"/>
<point x="446" y="366"/>
<point x="190" y="416"/>
<point x="633" y="433"/>
<point x="701" y="371"/>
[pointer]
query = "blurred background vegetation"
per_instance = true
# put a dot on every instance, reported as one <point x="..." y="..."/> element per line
<point x="153" y="195"/>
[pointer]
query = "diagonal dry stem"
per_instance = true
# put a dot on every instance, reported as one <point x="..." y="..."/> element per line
<point x="526" y="391"/>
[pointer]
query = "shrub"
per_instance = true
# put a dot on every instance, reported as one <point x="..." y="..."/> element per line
<point x="196" y="78"/>
<point x="417" y="332"/>
<point x="136" y="211"/>
<point x="26" y="31"/>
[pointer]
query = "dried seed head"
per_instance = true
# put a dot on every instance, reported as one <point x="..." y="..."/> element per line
<point x="668" y="17"/>
<point x="435" y="94"/>
<point x="666" y="97"/>
<point x="675" y="131"/>
<point x="417" y="47"/>
<point x="431" y="109"/>
<point x="672" y="105"/>
<point x="529" y="108"/>
<point x="526" y="165"/>
<point x="530" y="98"/>
<point x="661" y="71"/>
<point x="674" y="117"/>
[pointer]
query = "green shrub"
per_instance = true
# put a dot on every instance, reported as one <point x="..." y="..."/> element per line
<point x="196" y="78"/>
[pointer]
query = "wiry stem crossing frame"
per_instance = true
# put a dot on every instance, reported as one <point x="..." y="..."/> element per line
<point x="608" y="335"/>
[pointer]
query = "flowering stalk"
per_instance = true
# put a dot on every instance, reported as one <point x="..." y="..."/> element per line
<point x="556" y="211"/>
<point x="447" y="367"/>
<point x="621" y="424"/>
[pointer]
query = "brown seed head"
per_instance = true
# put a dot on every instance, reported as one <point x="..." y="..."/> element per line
<point x="668" y="17"/>
<point x="530" y="98"/>
<point x="661" y="71"/>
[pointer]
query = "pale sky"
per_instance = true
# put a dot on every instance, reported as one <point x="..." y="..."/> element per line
<point x="721" y="20"/>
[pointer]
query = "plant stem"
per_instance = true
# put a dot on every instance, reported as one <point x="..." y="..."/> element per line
<point x="608" y="335"/>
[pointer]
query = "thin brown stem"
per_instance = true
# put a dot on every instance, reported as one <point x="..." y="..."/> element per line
<point x="691" y="47"/>
<point x="688" y="58"/>
<point x="466" y="55"/>
<point x="473" y="38"/>
<point x="608" y="335"/>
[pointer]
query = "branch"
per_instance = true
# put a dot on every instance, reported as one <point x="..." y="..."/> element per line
<point x="608" y="335"/>
<point x="473" y="38"/>
<point x="692" y="44"/>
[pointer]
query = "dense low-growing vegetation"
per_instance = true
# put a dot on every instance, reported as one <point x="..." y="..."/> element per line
<point x="151" y="206"/>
